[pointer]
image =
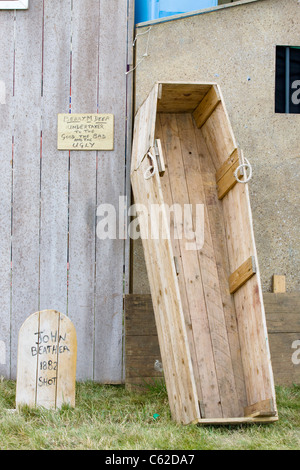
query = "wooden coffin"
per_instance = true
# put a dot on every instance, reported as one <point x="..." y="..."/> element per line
<point x="207" y="300"/>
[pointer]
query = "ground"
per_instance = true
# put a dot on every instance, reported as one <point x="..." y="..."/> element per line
<point x="112" y="418"/>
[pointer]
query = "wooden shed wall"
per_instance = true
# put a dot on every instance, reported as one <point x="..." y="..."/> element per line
<point x="143" y="358"/>
<point x="60" y="57"/>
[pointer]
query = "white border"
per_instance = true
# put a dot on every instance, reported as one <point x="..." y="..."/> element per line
<point x="19" y="5"/>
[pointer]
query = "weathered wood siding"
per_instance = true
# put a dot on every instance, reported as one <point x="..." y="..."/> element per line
<point x="59" y="57"/>
<point x="142" y="347"/>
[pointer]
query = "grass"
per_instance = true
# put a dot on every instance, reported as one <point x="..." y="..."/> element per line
<point x="112" y="418"/>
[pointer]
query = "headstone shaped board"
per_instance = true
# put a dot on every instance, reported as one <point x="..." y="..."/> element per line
<point x="47" y="354"/>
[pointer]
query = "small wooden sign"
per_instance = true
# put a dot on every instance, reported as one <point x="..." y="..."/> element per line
<point x="46" y="368"/>
<point x="13" y="4"/>
<point x="85" y="132"/>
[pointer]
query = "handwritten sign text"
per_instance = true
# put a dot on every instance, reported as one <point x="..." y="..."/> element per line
<point x="85" y="132"/>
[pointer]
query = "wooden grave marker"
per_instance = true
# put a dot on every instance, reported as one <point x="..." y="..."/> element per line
<point x="47" y="354"/>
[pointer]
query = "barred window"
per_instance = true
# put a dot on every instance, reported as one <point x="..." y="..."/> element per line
<point x="287" y="87"/>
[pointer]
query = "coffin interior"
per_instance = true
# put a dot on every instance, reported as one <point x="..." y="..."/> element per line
<point x="226" y="333"/>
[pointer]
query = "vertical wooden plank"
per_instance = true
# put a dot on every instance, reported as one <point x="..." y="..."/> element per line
<point x="238" y="252"/>
<point x="207" y="106"/>
<point x="166" y="188"/>
<point x="28" y="338"/>
<point x="169" y="315"/>
<point x="218" y="135"/>
<point x="111" y="186"/>
<point x="209" y="270"/>
<point x="248" y="299"/>
<point x="128" y="149"/>
<point x="48" y="344"/>
<point x="218" y="235"/>
<point x="66" y="374"/>
<point x="54" y="176"/>
<point x="6" y="136"/>
<point x="129" y="129"/>
<point x="26" y="170"/>
<point x="192" y="274"/>
<point x="85" y="31"/>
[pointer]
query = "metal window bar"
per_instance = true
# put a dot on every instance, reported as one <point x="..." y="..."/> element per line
<point x="287" y="79"/>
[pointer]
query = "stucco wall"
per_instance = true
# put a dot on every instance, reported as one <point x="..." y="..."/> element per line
<point x="235" y="47"/>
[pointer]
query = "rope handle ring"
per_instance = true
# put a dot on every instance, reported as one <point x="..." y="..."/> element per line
<point x="150" y="172"/>
<point x="246" y="165"/>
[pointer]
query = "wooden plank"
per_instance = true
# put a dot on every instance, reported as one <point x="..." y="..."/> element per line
<point x="240" y="247"/>
<point x="242" y="275"/>
<point x="285" y="353"/>
<point x="26" y="173"/>
<point x="191" y="273"/>
<point x="251" y="321"/>
<point x="167" y="306"/>
<point x="282" y="304"/>
<point x="129" y="131"/>
<point x="139" y="315"/>
<point x="283" y="319"/>
<point x="67" y="360"/>
<point x="174" y="231"/>
<point x="82" y="196"/>
<point x="181" y="97"/>
<point x="263" y="408"/>
<point x="142" y="366"/>
<point x="165" y="343"/>
<point x="143" y="384"/>
<point x="228" y="164"/>
<point x="283" y="323"/>
<point x="6" y="139"/>
<point x="27" y="362"/>
<point x="208" y="269"/>
<point x="236" y="421"/>
<point x="225" y="175"/>
<point x="144" y="125"/>
<point x="54" y="176"/>
<point x="227" y="183"/>
<point x="279" y="284"/>
<point x="142" y="346"/>
<point x="283" y="329"/>
<point x="111" y="177"/>
<point x="218" y="135"/>
<point x="218" y="235"/>
<point x="47" y="345"/>
<point x="170" y="322"/>
<point x="207" y="106"/>
<point x="161" y="321"/>
<point x="283" y="313"/>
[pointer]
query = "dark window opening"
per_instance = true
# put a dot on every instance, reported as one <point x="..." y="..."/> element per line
<point x="287" y="88"/>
